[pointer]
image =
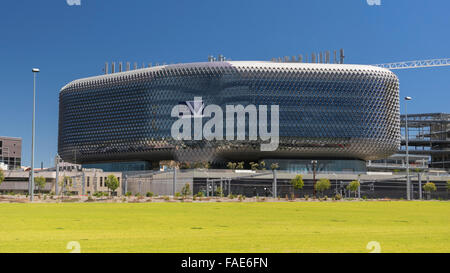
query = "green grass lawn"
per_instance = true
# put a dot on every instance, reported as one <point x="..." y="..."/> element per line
<point x="226" y="227"/>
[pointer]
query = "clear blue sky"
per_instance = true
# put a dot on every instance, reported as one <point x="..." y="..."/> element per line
<point x="69" y="42"/>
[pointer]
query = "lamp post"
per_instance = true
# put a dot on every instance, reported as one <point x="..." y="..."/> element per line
<point x="35" y="71"/>
<point x="408" y="182"/>
<point x="314" y="162"/>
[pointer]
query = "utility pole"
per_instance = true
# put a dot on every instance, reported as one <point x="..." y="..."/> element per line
<point x="359" y="187"/>
<point x="56" y="174"/>
<point x="35" y="71"/>
<point x="314" y="162"/>
<point x="408" y="182"/>
<point x="274" y="190"/>
<point x="420" y="185"/>
<point x="174" y="181"/>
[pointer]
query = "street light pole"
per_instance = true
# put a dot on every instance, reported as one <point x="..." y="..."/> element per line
<point x="314" y="162"/>
<point x="35" y="71"/>
<point x="408" y="181"/>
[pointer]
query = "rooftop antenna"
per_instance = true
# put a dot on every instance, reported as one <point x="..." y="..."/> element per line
<point x="106" y="68"/>
<point x="327" y="57"/>
<point x="120" y="67"/>
<point x="335" y="57"/>
<point x="342" y="56"/>
<point x="128" y="66"/>
<point x="113" y="67"/>
<point x="135" y="65"/>
<point x="300" y="58"/>
<point x="313" y="57"/>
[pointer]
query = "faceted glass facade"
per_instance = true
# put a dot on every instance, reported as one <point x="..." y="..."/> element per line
<point x="326" y="111"/>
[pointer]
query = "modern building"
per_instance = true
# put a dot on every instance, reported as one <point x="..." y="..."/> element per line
<point x="340" y="115"/>
<point x="11" y="152"/>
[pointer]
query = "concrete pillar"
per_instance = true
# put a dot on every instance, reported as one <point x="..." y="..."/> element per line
<point x="174" y="184"/>
<point x="274" y="190"/>
<point x="83" y="183"/>
<point x="420" y="186"/>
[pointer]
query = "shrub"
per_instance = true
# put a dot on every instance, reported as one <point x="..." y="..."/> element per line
<point x="166" y="198"/>
<point x="325" y="198"/>
<point x="306" y="197"/>
<point x="177" y="194"/>
<point x="241" y="197"/>
<point x="186" y="190"/>
<point x="338" y="197"/>
<point x="149" y="194"/>
<point x="128" y="194"/>
<point x="200" y="194"/>
<point x="231" y="196"/>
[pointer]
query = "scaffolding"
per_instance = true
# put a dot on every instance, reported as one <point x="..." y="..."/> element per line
<point x="428" y="134"/>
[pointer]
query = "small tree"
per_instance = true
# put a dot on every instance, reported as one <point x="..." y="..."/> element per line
<point x="429" y="187"/>
<point x="297" y="182"/>
<point x="353" y="186"/>
<point x="323" y="185"/>
<point x="2" y="176"/>
<point x="219" y="191"/>
<point x="231" y="165"/>
<point x="262" y="165"/>
<point x="112" y="183"/>
<point x="65" y="183"/>
<point x="274" y="166"/>
<point x="186" y="190"/>
<point x="448" y="187"/>
<point x="254" y="166"/>
<point x="40" y="183"/>
<point x="240" y="165"/>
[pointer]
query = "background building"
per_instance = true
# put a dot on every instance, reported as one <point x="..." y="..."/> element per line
<point x="429" y="134"/>
<point x="84" y="182"/>
<point x="11" y="152"/>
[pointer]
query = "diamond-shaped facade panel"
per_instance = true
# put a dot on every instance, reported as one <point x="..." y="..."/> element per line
<point x="326" y="111"/>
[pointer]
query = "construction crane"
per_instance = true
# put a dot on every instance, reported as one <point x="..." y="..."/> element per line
<point x="416" y="64"/>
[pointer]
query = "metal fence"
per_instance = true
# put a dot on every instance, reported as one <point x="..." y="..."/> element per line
<point x="262" y="183"/>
